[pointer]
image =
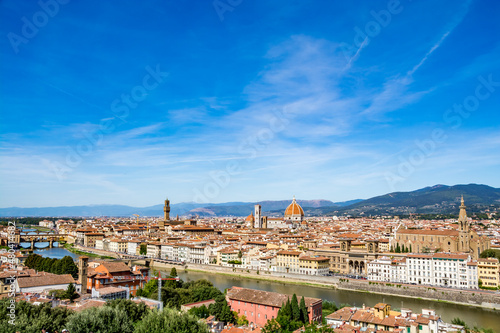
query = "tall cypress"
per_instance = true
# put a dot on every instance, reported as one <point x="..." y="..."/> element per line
<point x="295" y="308"/>
<point x="304" y="316"/>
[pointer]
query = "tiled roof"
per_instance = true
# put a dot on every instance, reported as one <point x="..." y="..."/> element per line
<point x="45" y="280"/>
<point x="264" y="297"/>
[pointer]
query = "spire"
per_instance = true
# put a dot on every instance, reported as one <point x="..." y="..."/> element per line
<point x="462" y="216"/>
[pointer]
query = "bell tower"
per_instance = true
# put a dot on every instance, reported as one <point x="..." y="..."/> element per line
<point x="82" y="273"/>
<point x="258" y="217"/>
<point x="463" y="229"/>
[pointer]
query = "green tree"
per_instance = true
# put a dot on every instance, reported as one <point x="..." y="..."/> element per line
<point x="200" y="312"/>
<point x="173" y="272"/>
<point x="304" y="316"/>
<point x="149" y="289"/>
<point x="170" y="321"/>
<point x="135" y="311"/>
<point x="272" y="326"/>
<point x="171" y="297"/>
<point x="221" y="310"/>
<point x="65" y="265"/>
<point x="103" y="319"/>
<point x="242" y="320"/>
<point x="295" y="308"/>
<point x="490" y="253"/>
<point x="143" y="249"/>
<point x="458" y="321"/>
<point x="70" y="292"/>
<point x="33" y="318"/>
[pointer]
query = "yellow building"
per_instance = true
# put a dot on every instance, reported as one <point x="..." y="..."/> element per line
<point x="488" y="272"/>
<point x="288" y="261"/>
<point x="314" y="265"/>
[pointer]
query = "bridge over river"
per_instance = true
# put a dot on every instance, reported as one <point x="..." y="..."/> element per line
<point x="34" y="236"/>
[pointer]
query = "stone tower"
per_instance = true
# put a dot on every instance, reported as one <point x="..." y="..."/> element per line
<point x="166" y="210"/>
<point x="258" y="218"/>
<point x="82" y="273"/>
<point x="166" y="217"/>
<point x="463" y="229"/>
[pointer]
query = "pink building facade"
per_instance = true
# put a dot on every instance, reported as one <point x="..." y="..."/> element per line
<point x="260" y="306"/>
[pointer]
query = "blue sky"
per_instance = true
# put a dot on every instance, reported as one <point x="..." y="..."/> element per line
<point x="216" y="101"/>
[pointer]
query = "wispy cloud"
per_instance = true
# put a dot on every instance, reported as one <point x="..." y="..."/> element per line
<point x="459" y="18"/>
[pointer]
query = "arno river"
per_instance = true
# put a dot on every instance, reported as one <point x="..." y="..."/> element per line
<point x="473" y="316"/>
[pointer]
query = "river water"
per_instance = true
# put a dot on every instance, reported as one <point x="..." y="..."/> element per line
<point x="473" y="316"/>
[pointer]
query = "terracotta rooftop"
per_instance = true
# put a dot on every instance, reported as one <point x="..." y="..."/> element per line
<point x="265" y="297"/>
<point x="45" y="280"/>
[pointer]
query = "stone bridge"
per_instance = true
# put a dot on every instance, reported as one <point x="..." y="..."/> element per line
<point x="40" y="237"/>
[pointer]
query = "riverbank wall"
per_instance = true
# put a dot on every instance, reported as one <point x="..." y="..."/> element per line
<point x="92" y="252"/>
<point x="477" y="298"/>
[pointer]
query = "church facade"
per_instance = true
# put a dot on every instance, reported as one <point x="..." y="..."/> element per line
<point x="463" y="240"/>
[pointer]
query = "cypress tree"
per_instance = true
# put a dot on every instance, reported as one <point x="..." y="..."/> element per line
<point x="287" y="309"/>
<point x="295" y="308"/>
<point x="410" y="248"/>
<point x="403" y="248"/>
<point x="304" y="316"/>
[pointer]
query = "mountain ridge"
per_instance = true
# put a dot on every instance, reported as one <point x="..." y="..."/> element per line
<point x="436" y="199"/>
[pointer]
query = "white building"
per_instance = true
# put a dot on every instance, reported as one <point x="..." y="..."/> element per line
<point x="267" y="262"/>
<point x="118" y="245"/>
<point x="154" y="250"/>
<point x="196" y="254"/>
<point x="102" y="244"/>
<point x="170" y="252"/>
<point x="133" y="247"/>
<point x="442" y="269"/>
<point x="388" y="270"/>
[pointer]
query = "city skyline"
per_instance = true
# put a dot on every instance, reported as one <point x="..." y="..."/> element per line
<point x="245" y="101"/>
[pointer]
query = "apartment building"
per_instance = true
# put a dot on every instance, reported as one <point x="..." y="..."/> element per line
<point x="441" y="269"/>
<point x="154" y="250"/>
<point x="288" y="262"/>
<point x="169" y="251"/>
<point x="90" y="238"/>
<point x="134" y="247"/>
<point x="316" y="265"/>
<point x="266" y="263"/>
<point x="388" y="270"/>
<point x="488" y="272"/>
<point x="118" y="245"/>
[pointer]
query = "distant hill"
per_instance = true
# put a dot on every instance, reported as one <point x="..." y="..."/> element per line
<point x="185" y="208"/>
<point x="438" y="199"/>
